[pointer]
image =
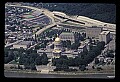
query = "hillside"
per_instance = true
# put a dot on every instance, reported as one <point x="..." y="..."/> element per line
<point x="102" y="12"/>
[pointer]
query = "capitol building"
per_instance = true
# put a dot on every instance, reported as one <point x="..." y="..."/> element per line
<point x="52" y="52"/>
<point x="57" y="48"/>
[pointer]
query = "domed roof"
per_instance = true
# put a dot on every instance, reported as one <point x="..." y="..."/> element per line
<point x="57" y="39"/>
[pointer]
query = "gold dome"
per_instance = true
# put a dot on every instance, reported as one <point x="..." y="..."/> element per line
<point x="58" y="51"/>
<point x="57" y="39"/>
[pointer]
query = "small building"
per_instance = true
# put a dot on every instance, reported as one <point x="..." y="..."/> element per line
<point x="73" y="67"/>
<point x="50" y="46"/>
<point x="93" y="31"/>
<point x="47" y="51"/>
<point x="45" y="68"/>
<point x="104" y="36"/>
<point x="13" y="66"/>
<point x="87" y="43"/>
<point x="67" y="36"/>
<point x="82" y="48"/>
<point x="68" y="53"/>
<point x="23" y="44"/>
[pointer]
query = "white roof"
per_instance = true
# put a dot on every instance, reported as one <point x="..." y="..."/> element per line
<point x="81" y="46"/>
<point x="105" y="32"/>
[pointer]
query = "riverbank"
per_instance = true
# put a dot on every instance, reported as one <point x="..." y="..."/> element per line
<point x="62" y="72"/>
<point x="18" y="74"/>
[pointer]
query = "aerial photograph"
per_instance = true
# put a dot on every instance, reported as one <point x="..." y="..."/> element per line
<point x="59" y="40"/>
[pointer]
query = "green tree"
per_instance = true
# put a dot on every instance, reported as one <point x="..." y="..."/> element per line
<point x="75" y="45"/>
<point x="38" y="60"/>
<point x="96" y="61"/>
<point x="71" y="62"/>
<point x="82" y="67"/>
<point x="32" y="66"/>
<point x="44" y="59"/>
<point x="68" y="43"/>
<point x="101" y="45"/>
<point x="63" y="57"/>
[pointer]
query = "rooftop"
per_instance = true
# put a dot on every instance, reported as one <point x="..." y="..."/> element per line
<point x="94" y="27"/>
<point x="24" y="42"/>
<point x="66" y="33"/>
<point x="41" y="67"/>
<point x="104" y="32"/>
<point x="36" y="13"/>
<point x="81" y="46"/>
<point x="57" y="39"/>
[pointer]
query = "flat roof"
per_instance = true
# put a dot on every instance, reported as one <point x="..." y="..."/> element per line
<point x="95" y="27"/>
<point x="104" y="32"/>
<point x="66" y="33"/>
<point x="36" y="13"/>
<point x="25" y="42"/>
<point x="81" y="46"/>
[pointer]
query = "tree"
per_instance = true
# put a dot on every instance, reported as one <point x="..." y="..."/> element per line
<point x="44" y="59"/>
<point x="93" y="67"/>
<point x="71" y="62"/>
<point x="96" y="61"/>
<point x="32" y="67"/>
<point x="64" y="67"/>
<point x="58" y="67"/>
<point x="16" y="55"/>
<point x="82" y="67"/>
<point x="110" y="55"/>
<point x="9" y="57"/>
<point x="12" y="29"/>
<point x="101" y="45"/>
<point x="99" y="68"/>
<point x="6" y="60"/>
<point x="64" y="43"/>
<point x="37" y="47"/>
<point x="90" y="40"/>
<point x="68" y="43"/>
<point x="111" y="51"/>
<point x="75" y="45"/>
<point x="6" y="52"/>
<point x="38" y="60"/>
<point x="63" y="57"/>
<point x="53" y="61"/>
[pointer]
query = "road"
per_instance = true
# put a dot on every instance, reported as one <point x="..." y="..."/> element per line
<point x="40" y="75"/>
<point x="7" y="45"/>
<point x="86" y="20"/>
<point x="92" y="22"/>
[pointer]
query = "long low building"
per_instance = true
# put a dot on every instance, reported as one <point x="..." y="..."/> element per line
<point x="23" y="44"/>
<point x="47" y="51"/>
<point x="67" y="36"/>
<point x="45" y="68"/>
<point x="93" y="31"/>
